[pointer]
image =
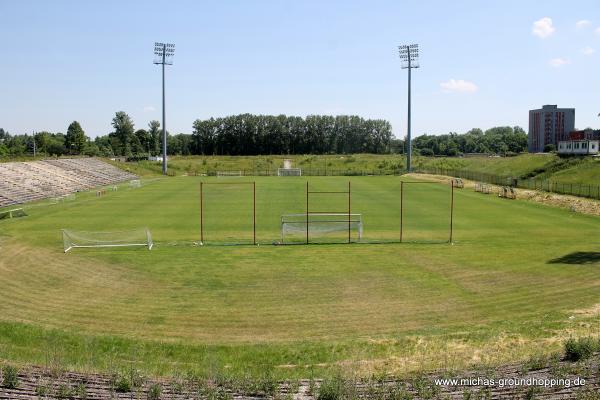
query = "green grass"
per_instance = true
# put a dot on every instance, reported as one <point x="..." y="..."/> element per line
<point x="584" y="173"/>
<point x="498" y="294"/>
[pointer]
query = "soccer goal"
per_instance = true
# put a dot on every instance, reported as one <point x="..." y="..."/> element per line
<point x="223" y="174"/>
<point x="296" y="227"/>
<point x="135" y="183"/>
<point x="83" y="239"/>
<point x="14" y="213"/>
<point x="289" y="171"/>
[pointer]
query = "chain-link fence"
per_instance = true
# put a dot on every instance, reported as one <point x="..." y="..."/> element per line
<point x="575" y="189"/>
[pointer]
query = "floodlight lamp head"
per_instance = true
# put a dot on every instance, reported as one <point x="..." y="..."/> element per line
<point x="409" y="55"/>
<point x="163" y="53"/>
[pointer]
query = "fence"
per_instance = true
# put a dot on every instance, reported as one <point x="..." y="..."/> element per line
<point x="575" y="189"/>
<point x="305" y="172"/>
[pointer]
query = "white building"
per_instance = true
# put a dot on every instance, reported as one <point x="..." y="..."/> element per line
<point x="578" y="147"/>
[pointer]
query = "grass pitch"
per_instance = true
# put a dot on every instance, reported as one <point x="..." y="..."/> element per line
<point x="519" y="278"/>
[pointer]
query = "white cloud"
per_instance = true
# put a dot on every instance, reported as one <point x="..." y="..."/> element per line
<point x="597" y="30"/>
<point x="584" y="23"/>
<point x="459" y="85"/>
<point x="559" y="62"/>
<point x="148" y="109"/>
<point x="587" y="51"/>
<point x="543" y="28"/>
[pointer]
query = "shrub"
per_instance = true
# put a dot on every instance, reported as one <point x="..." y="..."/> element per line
<point x="580" y="349"/>
<point x="10" y="377"/>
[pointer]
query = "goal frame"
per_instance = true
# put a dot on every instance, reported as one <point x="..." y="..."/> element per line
<point x="279" y="171"/>
<point x="451" y="222"/>
<point x="347" y="212"/>
<point x="202" y="184"/>
<point x="225" y="174"/>
<point x="149" y="243"/>
<point x="10" y="214"/>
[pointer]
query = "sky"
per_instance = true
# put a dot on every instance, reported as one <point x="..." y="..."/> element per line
<point x="483" y="63"/>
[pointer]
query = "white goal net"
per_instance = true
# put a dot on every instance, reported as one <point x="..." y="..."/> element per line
<point x="14" y="213"/>
<point x="135" y="183"/>
<point x="294" y="226"/>
<point x="228" y="173"/>
<point x="289" y="172"/>
<point x="83" y="239"/>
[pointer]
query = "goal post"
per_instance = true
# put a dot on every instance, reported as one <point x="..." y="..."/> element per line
<point x="225" y="213"/>
<point x="84" y="239"/>
<point x="289" y="171"/>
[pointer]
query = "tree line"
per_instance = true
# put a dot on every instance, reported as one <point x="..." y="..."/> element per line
<point x="248" y="134"/>
<point x="504" y="140"/>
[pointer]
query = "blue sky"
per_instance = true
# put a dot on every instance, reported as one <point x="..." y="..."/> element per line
<point x="483" y="63"/>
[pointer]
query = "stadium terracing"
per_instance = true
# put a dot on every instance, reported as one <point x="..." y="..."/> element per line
<point x="22" y="182"/>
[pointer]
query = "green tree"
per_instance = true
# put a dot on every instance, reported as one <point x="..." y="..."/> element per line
<point x="155" y="132"/>
<point x="123" y="135"/>
<point x="75" y="139"/>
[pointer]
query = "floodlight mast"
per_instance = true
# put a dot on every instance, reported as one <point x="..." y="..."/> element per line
<point x="409" y="56"/>
<point x="164" y="55"/>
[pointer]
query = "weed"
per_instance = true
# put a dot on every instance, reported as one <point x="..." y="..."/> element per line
<point x="10" y="377"/>
<point x="535" y="363"/>
<point x="154" y="392"/>
<point x="337" y="388"/>
<point x="81" y="391"/>
<point x="122" y="384"/>
<point x="215" y="393"/>
<point x="42" y="390"/>
<point x="532" y="393"/>
<point x="64" y="391"/>
<point x="588" y="394"/>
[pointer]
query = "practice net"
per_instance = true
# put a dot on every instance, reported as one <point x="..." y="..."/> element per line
<point x="83" y="239"/>
<point x="320" y="226"/>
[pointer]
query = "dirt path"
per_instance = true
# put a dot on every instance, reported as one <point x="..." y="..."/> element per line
<point x="573" y="203"/>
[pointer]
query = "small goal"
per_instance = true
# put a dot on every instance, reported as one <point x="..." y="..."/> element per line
<point x="222" y="174"/>
<point x="289" y="171"/>
<point x="320" y="225"/>
<point x="135" y="183"/>
<point x="14" y="213"/>
<point x="83" y="239"/>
